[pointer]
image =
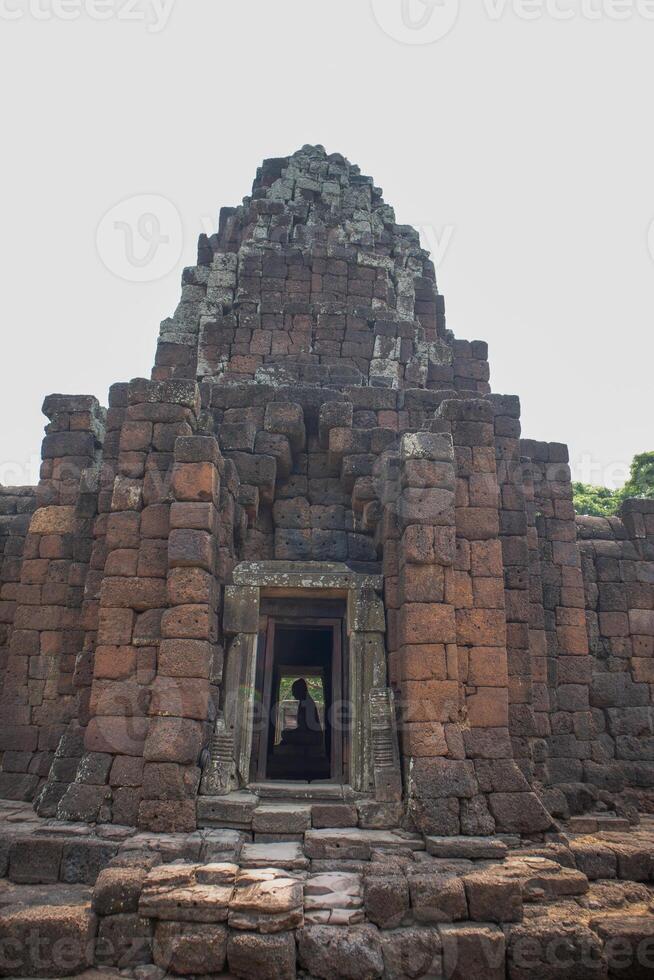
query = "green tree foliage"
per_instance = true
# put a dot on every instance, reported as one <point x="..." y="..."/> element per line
<point x="595" y="501"/>
<point x="641" y="479"/>
<point x="603" y="502"/>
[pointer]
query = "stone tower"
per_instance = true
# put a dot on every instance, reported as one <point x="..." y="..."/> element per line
<point x="317" y="484"/>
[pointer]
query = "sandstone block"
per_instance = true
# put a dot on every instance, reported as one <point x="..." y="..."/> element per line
<point x="189" y="548"/>
<point x="287" y="419"/>
<point x="83" y="860"/>
<point x="333" y="815"/>
<point x="118" y="735"/>
<point x="427" y="473"/>
<point x="266" y="901"/>
<point x="386" y="900"/>
<point x="198" y="516"/>
<point x="173" y="740"/>
<point x="268" y="957"/>
<point x="423" y="738"/>
<point x="196" y="482"/>
<point x="473" y="952"/>
<point x="532" y="948"/>
<point x="427" y="623"/>
<point x="117" y="890"/>
<point x="332" y="952"/>
<point x="197" y="449"/>
<point x="481" y="627"/>
<point x="477" y="523"/>
<point x="275" y="818"/>
<point x="190" y="948"/>
<point x="423" y="545"/>
<point x="35" y="860"/>
<point x="422" y="583"/>
<point x="431" y="506"/>
<point x="486" y="558"/>
<point x="440" y="778"/>
<point x="124" y="940"/>
<point x="236" y="436"/>
<point x="426" y="445"/>
<point x="195" y="621"/>
<point x="172" y="894"/>
<point x="437" y="898"/>
<point x="411" y="952"/>
<point x="277" y="447"/>
<point x="519" y="813"/>
<point x="488" y="707"/>
<point x="185" y="658"/>
<point x="417" y="662"/>
<point x="492" y="898"/>
<point x="65" y="934"/>
<point x="429" y="701"/>
<point x="294" y="513"/>
<point x="487" y="667"/>
<point x="192" y="586"/>
<point x="181" y="697"/>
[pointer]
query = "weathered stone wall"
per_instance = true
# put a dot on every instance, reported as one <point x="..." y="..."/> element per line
<point x="592" y="597"/>
<point x="163" y="535"/>
<point x="37" y="699"/>
<point x="618" y="566"/>
<point x="569" y="666"/>
<point x="17" y="504"/>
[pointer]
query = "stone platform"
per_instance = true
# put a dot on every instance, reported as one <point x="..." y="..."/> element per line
<point x="333" y="902"/>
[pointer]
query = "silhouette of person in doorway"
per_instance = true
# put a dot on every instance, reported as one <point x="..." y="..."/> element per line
<point x="308" y="730"/>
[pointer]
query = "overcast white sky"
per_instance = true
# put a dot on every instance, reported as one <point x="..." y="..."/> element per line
<point x="522" y="148"/>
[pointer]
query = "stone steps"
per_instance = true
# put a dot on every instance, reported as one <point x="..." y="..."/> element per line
<point x="282" y="814"/>
<point x="443" y="917"/>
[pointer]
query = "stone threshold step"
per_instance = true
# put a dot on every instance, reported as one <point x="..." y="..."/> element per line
<point x="301" y="791"/>
<point x="246" y="811"/>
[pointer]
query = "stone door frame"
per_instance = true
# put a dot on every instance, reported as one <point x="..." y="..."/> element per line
<point x="374" y="766"/>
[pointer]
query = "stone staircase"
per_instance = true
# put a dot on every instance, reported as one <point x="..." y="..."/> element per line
<point x="332" y="902"/>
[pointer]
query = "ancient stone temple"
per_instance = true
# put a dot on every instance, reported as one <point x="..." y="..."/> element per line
<point x="306" y="601"/>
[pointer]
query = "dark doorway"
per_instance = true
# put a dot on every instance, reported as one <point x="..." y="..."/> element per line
<point x="301" y="681"/>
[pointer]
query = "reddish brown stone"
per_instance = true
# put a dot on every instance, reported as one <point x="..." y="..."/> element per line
<point x="195" y="482"/>
<point x="186" y="697"/>
<point x="173" y="740"/>
<point x="114" y="663"/>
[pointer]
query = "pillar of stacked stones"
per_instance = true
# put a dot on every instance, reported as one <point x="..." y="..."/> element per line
<point x="314" y="436"/>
